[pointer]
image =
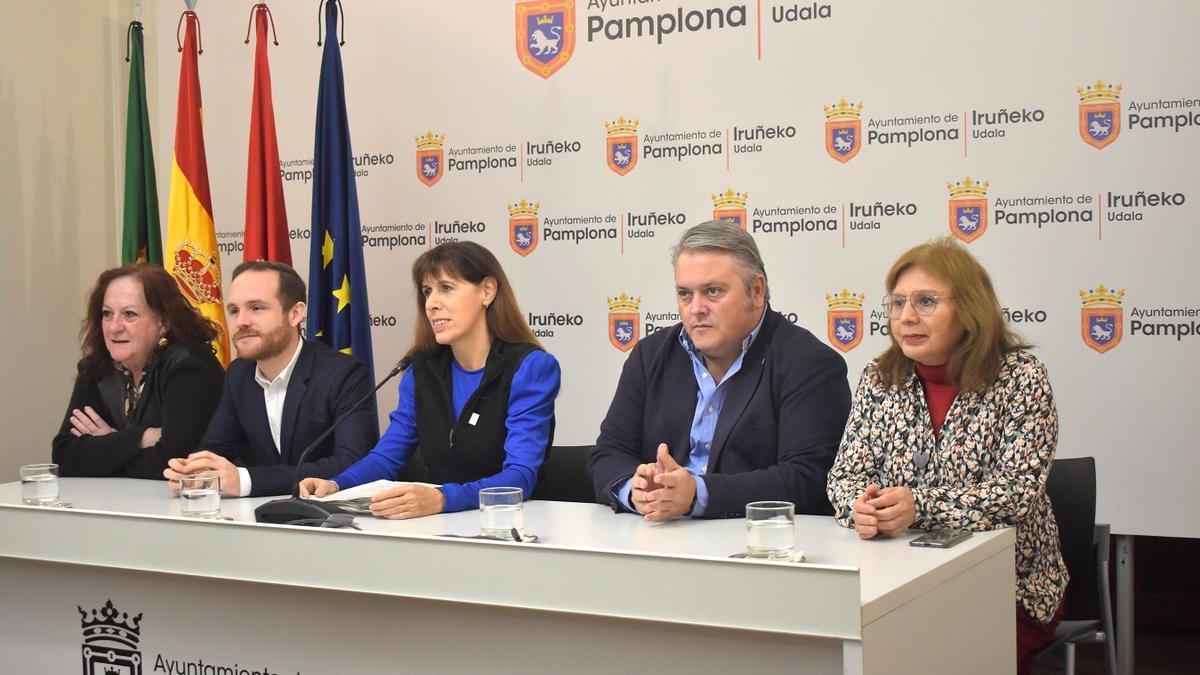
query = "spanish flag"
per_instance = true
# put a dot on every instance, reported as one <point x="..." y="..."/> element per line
<point x="191" y="254"/>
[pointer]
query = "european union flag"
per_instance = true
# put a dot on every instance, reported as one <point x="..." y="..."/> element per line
<point x="338" y="314"/>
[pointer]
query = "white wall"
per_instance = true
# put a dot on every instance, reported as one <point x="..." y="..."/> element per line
<point x="59" y="91"/>
<point x="452" y="68"/>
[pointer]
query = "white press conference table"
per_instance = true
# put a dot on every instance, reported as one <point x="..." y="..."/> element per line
<point x="598" y="592"/>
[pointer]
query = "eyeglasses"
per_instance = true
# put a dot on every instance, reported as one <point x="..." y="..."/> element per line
<point x="923" y="303"/>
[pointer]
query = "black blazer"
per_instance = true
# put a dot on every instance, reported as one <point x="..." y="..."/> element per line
<point x="777" y="433"/>
<point x="323" y="385"/>
<point x="183" y="385"/>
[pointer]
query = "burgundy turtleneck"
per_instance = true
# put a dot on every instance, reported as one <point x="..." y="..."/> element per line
<point x="939" y="392"/>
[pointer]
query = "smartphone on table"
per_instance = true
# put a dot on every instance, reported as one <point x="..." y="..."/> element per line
<point x="940" y="538"/>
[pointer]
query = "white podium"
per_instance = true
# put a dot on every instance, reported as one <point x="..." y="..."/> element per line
<point x="598" y="593"/>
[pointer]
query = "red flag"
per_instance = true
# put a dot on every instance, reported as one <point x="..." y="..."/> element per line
<point x="266" y="235"/>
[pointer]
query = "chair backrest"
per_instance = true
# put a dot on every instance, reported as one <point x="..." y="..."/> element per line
<point x="564" y="475"/>
<point x="417" y="471"/>
<point x="1071" y="487"/>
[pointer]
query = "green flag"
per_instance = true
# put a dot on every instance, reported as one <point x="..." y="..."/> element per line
<point x="141" y="237"/>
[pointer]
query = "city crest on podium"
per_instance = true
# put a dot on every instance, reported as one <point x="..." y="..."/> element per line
<point x="110" y="641"/>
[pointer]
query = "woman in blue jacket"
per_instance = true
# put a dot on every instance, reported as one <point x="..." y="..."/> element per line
<point x="477" y="402"/>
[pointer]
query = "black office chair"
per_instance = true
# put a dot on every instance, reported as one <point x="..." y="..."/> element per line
<point x="564" y="475"/>
<point x="1072" y="490"/>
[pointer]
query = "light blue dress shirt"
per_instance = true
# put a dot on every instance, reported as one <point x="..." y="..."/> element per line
<point x="710" y="398"/>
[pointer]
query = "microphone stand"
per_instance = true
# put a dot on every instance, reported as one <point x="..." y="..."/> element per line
<point x="292" y="509"/>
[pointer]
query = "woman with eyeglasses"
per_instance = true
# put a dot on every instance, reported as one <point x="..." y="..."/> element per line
<point x="954" y="427"/>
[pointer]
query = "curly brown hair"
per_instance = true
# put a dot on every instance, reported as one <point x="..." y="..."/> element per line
<point x="183" y="323"/>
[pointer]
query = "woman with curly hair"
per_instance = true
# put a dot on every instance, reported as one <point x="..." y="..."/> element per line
<point x="148" y="380"/>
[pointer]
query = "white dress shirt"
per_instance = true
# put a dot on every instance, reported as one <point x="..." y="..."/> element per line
<point x="274" y="394"/>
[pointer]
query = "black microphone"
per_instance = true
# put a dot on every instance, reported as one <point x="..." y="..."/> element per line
<point x="285" y="511"/>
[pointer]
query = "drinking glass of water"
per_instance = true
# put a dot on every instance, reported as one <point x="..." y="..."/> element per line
<point x="501" y="509"/>
<point x="39" y="484"/>
<point x="200" y="495"/>
<point x="770" y="530"/>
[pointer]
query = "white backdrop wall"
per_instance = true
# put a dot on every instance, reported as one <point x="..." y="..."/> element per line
<point x="59" y="184"/>
<point x="732" y="96"/>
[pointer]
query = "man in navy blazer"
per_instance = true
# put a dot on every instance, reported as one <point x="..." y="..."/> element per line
<point x="734" y="404"/>
<point x="280" y="394"/>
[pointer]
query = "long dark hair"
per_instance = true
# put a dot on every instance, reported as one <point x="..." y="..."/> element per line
<point x="182" y="322"/>
<point x="470" y="262"/>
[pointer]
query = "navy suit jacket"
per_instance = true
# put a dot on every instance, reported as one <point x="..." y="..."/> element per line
<point x="777" y="433"/>
<point x="324" y="384"/>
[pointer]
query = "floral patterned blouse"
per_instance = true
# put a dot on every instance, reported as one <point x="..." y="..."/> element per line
<point x="986" y="471"/>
